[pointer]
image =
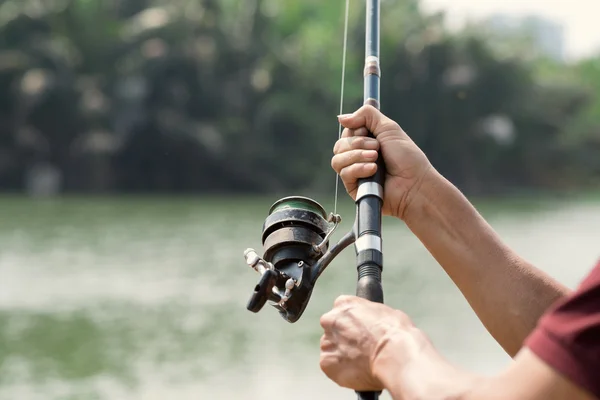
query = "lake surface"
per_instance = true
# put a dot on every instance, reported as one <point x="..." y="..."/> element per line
<point x="141" y="298"/>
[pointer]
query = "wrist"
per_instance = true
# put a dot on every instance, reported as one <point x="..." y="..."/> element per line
<point x="396" y="354"/>
<point x="426" y="191"/>
<point x="410" y="368"/>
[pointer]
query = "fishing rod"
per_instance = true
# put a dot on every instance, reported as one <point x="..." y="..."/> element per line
<point x="297" y="230"/>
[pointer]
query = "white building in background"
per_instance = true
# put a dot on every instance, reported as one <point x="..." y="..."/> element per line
<point x="546" y="36"/>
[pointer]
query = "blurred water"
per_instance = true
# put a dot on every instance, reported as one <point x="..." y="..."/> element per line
<point x="145" y="298"/>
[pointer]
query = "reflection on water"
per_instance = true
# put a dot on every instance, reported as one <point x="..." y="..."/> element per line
<point x="145" y="299"/>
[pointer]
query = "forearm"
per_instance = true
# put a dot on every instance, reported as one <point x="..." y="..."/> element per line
<point x="426" y="375"/>
<point x="506" y="292"/>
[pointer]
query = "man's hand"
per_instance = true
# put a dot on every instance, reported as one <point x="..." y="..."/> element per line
<point x="355" y="155"/>
<point x="371" y="347"/>
<point x="357" y="334"/>
<point x="491" y="276"/>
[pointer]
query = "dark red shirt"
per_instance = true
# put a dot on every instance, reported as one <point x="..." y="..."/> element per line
<point x="567" y="337"/>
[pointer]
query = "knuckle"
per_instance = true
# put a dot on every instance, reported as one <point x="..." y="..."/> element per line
<point x="338" y="147"/>
<point x="325" y="320"/>
<point x="348" y="142"/>
<point x="343" y="300"/>
<point x="335" y="163"/>
<point x="369" y="108"/>
<point x="403" y="317"/>
<point x="325" y="365"/>
<point x="346" y="174"/>
<point x="349" y="158"/>
<point x="358" y="142"/>
<point x="329" y="364"/>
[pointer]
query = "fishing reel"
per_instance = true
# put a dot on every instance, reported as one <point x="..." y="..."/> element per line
<point x="295" y="238"/>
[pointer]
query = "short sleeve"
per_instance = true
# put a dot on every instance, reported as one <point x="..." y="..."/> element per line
<point x="567" y="337"/>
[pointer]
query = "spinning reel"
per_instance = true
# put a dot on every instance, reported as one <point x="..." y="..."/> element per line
<point x="295" y="238"/>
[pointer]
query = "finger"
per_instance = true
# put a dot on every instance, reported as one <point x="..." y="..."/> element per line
<point x="404" y="318"/>
<point x="329" y="364"/>
<point x="343" y="300"/>
<point x="362" y="131"/>
<point x="327" y="320"/>
<point x="326" y="344"/>
<point x="343" y="160"/>
<point x="354" y="172"/>
<point x="369" y="117"/>
<point x="354" y="143"/>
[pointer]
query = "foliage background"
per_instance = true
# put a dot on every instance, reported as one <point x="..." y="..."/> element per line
<point x="240" y="96"/>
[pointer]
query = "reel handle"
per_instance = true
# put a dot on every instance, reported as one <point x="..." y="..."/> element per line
<point x="262" y="291"/>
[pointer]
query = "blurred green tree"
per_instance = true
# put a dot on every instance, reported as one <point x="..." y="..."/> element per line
<point x="229" y="95"/>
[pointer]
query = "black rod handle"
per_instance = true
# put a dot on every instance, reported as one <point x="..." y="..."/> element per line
<point x="369" y="253"/>
<point x="369" y="287"/>
<point x="368" y="395"/>
<point x="369" y="283"/>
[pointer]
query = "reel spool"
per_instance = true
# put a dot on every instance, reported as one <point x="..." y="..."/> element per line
<point x="295" y="238"/>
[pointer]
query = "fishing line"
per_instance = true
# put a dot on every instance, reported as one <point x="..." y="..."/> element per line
<point x="346" y="18"/>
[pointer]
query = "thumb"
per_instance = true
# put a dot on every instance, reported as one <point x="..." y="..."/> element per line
<point x="367" y="116"/>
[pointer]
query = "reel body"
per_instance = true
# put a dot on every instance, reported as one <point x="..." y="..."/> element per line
<point x="295" y="238"/>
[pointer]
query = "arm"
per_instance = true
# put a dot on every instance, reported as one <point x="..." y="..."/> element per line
<point x="370" y="346"/>
<point x="506" y="292"/>
<point x="430" y="377"/>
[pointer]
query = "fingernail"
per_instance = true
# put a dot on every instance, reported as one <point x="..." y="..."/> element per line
<point x="344" y="116"/>
<point x="369" y="154"/>
<point x="371" y="144"/>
